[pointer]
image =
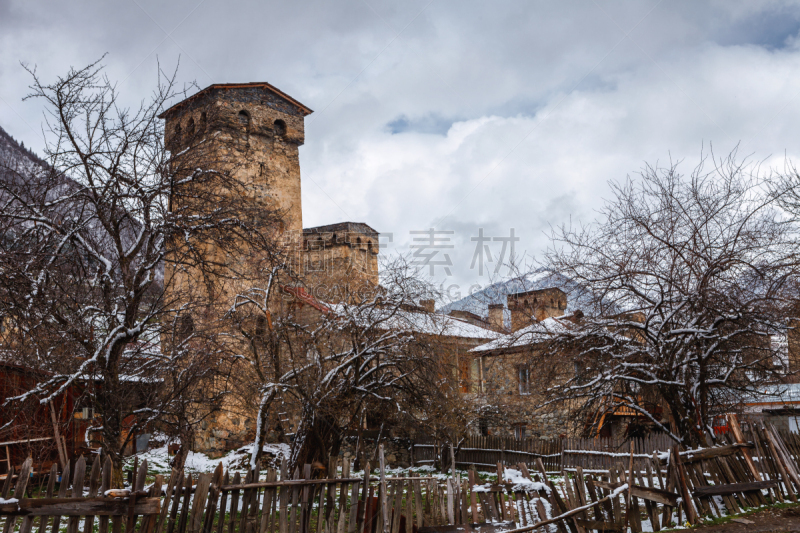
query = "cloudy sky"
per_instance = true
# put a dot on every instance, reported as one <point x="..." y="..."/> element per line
<point x="452" y="115"/>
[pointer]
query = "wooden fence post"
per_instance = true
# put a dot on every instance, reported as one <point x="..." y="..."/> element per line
<point x="733" y="424"/>
<point x="691" y="515"/>
<point x="384" y="497"/>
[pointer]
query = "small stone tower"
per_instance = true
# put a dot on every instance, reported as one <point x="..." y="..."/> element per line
<point x="535" y="305"/>
<point x="257" y="130"/>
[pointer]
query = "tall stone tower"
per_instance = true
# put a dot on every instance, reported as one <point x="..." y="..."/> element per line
<point x="254" y="127"/>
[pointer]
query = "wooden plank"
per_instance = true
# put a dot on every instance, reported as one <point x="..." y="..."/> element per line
<point x="234" y="497"/>
<point x="273" y="518"/>
<point x="19" y="493"/>
<point x="418" y="501"/>
<point x="778" y="462"/>
<point x="62" y="493"/>
<point x="76" y="507"/>
<point x="176" y="502"/>
<point x="464" y="506"/>
<point x="247" y="492"/>
<point x="295" y="498"/>
<point x="383" y="495"/>
<point x="149" y="522"/>
<point x="651" y="484"/>
<point x="304" y="500"/>
<point x="267" y="504"/>
<point x="343" y="496"/>
<point x="284" y="498"/>
<point x="51" y="483"/>
<point x="691" y="515"/>
<point x="353" y="518"/>
<point x="94" y="486"/>
<point x="77" y="491"/>
<point x="174" y="479"/>
<point x="105" y="484"/>
<point x="736" y="430"/>
<point x="365" y="492"/>
<point x="733" y="488"/>
<point x="212" y="499"/>
<point x="198" y="503"/>
<point x="656" y="495"/>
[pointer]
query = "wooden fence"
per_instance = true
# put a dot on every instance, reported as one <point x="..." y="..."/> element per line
<point x="484" y="453"/>
<point x="749" y="469"/>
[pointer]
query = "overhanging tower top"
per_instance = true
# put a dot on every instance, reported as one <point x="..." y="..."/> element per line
<point x="260" y="91"/>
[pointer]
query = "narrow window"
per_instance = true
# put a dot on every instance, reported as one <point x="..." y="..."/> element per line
<point x="244" y="119"/>
<point x="261" y="327"/>
<point x="280" y="128"/>
<point x="524" y="378"/>
<point x="203" y="121"/>
<point x="519" y="431"/>
<point x="185" y="327"/>
<point x="190" y="128"/>
<point x="177" y="135"/>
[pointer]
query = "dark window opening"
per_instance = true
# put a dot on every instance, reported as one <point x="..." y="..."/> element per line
<point x="524" y="378"/>
<point x="203" y="121"/>
<point x="358" y="240"/>
<point x="280" y="128"/>
<point x="190" y="127"/>
<point x="483" y="427"/>
<point x="244" y="118"/>
<point x="261" y="327"/>
<point x="519" y="431"/>
<point x="176" y="138"/>
<point x="185" y="327"/>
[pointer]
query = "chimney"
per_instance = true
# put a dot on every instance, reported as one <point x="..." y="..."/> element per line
<point x="428" y="305"/>
<point x="496" y="317"/>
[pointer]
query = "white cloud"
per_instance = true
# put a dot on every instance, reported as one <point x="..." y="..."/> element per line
<point x="583" y="93"/>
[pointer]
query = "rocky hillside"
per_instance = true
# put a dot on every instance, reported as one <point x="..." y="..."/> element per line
<point x="14" y="155"/>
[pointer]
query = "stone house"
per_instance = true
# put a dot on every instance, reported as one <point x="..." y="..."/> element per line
<point x="254" y="132"/>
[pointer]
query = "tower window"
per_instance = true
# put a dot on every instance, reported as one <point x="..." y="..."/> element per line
<point x="524" y="379"/>
<point x="280" y="128"/>
<point x="185" y="327"/>
<point x="358" y="240"/>
<point x="203" y="121"/>
<point x="261" y="327"/>
<point x="178" y="134"/>
<point x="190" y="127"/>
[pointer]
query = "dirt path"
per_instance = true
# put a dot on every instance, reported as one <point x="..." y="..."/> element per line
<point x="767" y="521"/>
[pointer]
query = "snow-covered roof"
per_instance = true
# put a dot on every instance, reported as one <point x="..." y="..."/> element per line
<point x="533" y="334"/>
<point x="415" y="321"/>
<point x="439" y="324"/>
<point x="780" y="393"/>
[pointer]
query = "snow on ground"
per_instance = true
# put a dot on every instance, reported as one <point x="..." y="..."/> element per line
<point x="158" y="459"/>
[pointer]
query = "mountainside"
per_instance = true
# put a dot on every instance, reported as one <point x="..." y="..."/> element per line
<point x="14" y="155"/>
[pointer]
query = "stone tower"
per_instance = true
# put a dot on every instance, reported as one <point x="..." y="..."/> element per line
<point x="257" y="130"/>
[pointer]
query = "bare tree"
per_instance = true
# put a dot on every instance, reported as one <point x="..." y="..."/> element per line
<point x="91" y="240"/>
<point x="330" y="363"/>
<point x="691" y="279"/>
